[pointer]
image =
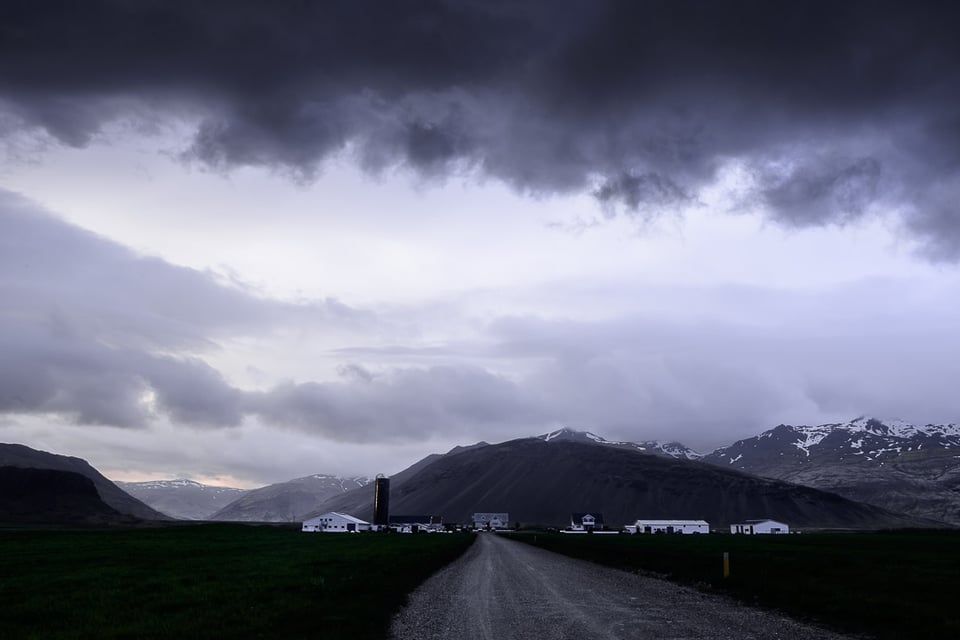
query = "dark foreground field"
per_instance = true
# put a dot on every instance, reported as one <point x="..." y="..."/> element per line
<point x="211" y="581"/>
<point x="885" y="585"/>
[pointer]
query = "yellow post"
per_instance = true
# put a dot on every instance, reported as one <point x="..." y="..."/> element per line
<point x="726" y="564"/>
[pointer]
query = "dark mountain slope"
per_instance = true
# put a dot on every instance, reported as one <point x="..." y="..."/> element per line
<point x="18" y="455"/>
<point x="48" y="496"/>
<point x="359" y="502"/>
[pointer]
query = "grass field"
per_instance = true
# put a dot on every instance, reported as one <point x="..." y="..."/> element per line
<point x="887" y="585"/>
<point x="210" y="581"/>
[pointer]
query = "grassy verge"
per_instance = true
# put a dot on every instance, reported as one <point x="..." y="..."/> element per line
<point x="211" y="581"/>
<point x="887" y="585"/>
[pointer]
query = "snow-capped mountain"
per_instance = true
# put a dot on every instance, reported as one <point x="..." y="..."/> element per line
<point x="894" y="464"/>
<point x="669" y="449"/>
<point x="288" y="501"/>
<point x="182" y="498"/>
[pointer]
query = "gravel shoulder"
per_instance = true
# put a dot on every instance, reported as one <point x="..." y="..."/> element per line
<point x="506" y="589"/>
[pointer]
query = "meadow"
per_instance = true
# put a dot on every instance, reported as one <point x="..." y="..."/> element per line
<point x="211" y="581"/>
<point x="885" y="585"/>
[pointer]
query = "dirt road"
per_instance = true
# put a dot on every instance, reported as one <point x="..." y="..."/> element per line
<point x="504" y="589"/>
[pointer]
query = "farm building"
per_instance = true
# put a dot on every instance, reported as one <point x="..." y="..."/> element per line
<point x="750" y="527"/>
<point x="668" y="526"/>
<point x="335" y="523"/>
<point x="586" y="521"/>
<point x="491" y="520"/>
<point x="415" y="524"/>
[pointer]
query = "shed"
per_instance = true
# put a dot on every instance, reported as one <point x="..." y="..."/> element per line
<point x="669" y="526"/>
<point x="751" y="527"/>
<point x="335" y="522"/>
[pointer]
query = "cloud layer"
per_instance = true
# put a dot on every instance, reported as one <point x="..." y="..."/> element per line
<point x="832" y="111"/>
<point x="94" y="332"/>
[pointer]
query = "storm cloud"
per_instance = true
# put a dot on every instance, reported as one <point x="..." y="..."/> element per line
<point x="836" y="111"/>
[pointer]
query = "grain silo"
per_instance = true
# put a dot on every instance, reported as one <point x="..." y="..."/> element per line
<point x="381" y="501"/>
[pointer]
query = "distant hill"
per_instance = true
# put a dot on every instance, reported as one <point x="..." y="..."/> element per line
<point x="18" y="455"/>
<point x="46" y="496"/>
<point x="287" y="501"/>
<point x="913" y="469"/>
<point x="183" y="499"/>
<point x="543" y="481"/>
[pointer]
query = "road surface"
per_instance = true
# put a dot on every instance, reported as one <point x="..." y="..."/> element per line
<point x="508" y="590"/>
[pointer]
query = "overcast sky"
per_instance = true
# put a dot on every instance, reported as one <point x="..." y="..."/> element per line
<point x="243" y="242"/>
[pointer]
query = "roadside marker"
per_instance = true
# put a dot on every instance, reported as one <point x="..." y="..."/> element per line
<point x="726" y="564"/>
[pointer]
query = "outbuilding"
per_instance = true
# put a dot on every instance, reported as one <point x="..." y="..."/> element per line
<point x="334" y="522"/>
<point x="415" y="524"/>
<point x="751" y="527"/>
<point x="668" y="526"/>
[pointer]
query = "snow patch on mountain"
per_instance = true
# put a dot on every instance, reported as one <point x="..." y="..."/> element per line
<point x="669" y="449"/>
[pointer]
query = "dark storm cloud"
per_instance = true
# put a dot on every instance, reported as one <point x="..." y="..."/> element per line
<point x="90" y="329"/>
<point x="833" y="107"/>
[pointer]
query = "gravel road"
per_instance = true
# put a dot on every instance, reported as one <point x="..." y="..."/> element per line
<point x="505" y="589"/>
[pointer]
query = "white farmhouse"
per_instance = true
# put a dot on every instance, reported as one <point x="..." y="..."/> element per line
<point x="668" y="526"/>
<point x="750" y="527"/>
<point x="335" y="522"/>
<point x="586" y="521"/>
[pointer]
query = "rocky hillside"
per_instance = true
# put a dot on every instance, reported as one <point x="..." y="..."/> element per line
<point x="543" y="481"/>
<point x="183" y="499"/>
<point x="913" y="469"/>
<point x="18" y="455"/>
<point x="287" y="501"/>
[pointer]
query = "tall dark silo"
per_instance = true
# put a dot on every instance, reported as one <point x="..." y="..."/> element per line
<point x="381" y="500"/>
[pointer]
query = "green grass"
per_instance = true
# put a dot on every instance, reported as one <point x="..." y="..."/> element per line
<point x="888" y="585"/>
<point x="211" y="581"/>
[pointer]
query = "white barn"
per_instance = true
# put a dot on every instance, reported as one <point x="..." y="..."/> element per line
<point x="335" y="522"/>
<point x="751" y="527"/>
<point x="668" y="526"/>
<point x="491" y="520"/>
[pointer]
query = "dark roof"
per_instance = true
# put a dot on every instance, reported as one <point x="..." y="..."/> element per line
<point x="415" y="520"/>
<point x="578" y="517"/>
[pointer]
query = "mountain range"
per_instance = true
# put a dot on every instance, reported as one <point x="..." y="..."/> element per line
<point x="913" y="469"/>
<point x="543" y="480"/>
<point x="183" y="499"/>
<point x="903" y="468"/>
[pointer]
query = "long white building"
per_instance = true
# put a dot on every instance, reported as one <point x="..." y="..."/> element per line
<point x="668" y="526"/>
<point x="334" y="522"/>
